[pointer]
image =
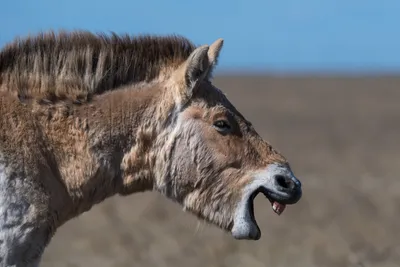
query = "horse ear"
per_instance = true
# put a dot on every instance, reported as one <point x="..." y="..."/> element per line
<point x="213" y="55"/>
<point x="196" y="68"/>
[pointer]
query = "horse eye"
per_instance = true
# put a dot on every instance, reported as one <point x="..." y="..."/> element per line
<point x="222" y="126"/>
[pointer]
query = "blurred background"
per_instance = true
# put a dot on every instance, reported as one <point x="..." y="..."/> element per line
<point x="318" y="78"/>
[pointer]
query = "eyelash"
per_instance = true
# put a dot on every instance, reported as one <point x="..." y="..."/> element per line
<point x="222" y="126"/>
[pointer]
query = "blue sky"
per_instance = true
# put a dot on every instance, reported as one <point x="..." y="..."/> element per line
<point x="261" y="35"/>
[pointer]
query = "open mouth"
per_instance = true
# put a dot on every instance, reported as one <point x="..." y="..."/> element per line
<point x="277" y="207"/>
<point x="246" y="224"/>
<point x="278" y="185"/>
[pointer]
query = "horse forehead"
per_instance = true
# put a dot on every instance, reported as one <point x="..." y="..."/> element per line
<point x="214" y="100"/>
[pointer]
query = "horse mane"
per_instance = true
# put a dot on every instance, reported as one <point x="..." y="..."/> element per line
<point x="77" y="65"/>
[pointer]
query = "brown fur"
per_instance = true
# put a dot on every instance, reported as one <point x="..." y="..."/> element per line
<point x="146" y="124"/>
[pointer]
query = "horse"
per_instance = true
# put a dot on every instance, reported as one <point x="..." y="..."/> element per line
<point x="85" y="116"/>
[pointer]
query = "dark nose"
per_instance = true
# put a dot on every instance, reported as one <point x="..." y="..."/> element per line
<point x="287" y="183"/>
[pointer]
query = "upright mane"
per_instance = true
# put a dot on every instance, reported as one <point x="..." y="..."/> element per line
<point x="77" y="65"/>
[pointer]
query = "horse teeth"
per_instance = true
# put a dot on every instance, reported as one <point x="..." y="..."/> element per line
<point x="278" y="208"/>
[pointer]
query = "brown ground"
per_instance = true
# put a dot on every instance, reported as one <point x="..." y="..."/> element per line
<point x="341" y="136"/>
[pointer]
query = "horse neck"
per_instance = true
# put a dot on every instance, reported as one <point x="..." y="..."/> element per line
<point x="99" y="146"/>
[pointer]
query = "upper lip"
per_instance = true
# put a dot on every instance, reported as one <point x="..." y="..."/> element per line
<point x="283" y="196"/>
<point x="280" y="194"/>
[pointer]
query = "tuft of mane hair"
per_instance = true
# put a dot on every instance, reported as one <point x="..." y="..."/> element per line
<point x="76" y="65"/>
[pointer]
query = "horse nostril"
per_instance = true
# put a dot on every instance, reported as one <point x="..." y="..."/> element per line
<point x="284" y="181"/>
